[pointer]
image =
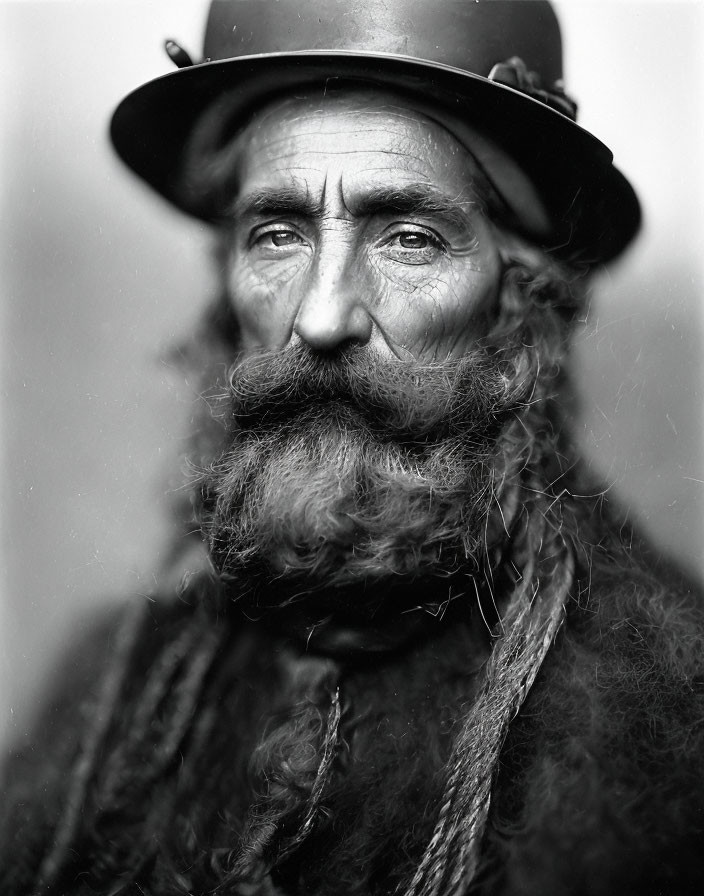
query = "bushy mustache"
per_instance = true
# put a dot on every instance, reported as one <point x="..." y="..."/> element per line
<point x="406" y="401"/>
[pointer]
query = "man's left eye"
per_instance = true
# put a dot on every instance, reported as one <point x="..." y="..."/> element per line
<point x="414" y="240"/>
<point x="413" y="246"/>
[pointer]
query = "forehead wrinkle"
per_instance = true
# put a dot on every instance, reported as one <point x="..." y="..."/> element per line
<point x="271" y="138"/>
<point x="271" y="142"/>
<point x="351" y="108"/>
<point x="345" y="152"/>
<point x="418" y="120"/>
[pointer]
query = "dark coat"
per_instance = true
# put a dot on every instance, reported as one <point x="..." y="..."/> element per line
<point x="600" y="788"/>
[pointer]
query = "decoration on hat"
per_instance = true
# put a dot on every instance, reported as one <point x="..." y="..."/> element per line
<point x="177" y="54"/>
<point x="514" y="73"/>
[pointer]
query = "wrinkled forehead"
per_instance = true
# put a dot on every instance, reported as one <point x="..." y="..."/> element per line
<point x="335" y="118"/>
<point x="367" y="106"/>
<point x="348" y="134"/>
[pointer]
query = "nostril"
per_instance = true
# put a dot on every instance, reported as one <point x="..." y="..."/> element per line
<point x="336" y="352"/>
<point x="361" y="325"/>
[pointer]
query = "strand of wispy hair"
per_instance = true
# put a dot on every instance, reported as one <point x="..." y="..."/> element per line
<point x="263" y="846"/>
<point x="330" y="748"/>
<point x="530" y="624"/>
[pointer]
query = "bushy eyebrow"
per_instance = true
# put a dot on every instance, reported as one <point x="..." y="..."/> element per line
<point x="418" y="200"/>
<point x="274" y="201"/>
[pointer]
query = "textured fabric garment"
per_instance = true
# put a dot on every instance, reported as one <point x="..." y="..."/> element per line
<point x="599" y="789"/>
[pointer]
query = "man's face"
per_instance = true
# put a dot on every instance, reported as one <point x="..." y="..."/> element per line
<point x="356" y="222"/>
<point x="364" y="412"/>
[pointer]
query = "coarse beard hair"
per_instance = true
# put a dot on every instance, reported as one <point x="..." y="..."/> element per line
<point x="349" y="470"/>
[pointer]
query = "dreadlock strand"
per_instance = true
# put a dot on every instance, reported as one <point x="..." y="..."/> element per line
<point x="85" y="765"/>
<point x="156" y="690"/>
<point x="114" y="854"/>
<point x="187" y="696"/>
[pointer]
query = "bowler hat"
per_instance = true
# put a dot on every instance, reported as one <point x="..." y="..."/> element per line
<point x="494" y="64"/>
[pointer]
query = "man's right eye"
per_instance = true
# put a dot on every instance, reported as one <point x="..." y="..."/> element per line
<point x="277" y="239"/>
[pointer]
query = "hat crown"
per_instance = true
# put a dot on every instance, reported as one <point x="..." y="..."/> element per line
<point x="472" y="35"/>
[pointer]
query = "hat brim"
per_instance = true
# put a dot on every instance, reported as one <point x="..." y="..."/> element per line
<point x="593" y="208"/>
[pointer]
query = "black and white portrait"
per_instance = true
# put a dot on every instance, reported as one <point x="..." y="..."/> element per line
<point x="353" y="483"/>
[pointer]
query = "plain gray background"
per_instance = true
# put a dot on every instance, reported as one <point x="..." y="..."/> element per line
<point x="99" y="277"/>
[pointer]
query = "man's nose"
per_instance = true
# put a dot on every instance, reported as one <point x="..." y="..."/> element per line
<point x="332" y="309"/>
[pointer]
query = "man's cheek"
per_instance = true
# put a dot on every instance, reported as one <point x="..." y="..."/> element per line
<point x="457" y="312"/>
<point x="422" y="316"/>
<point x="264" y="303"/>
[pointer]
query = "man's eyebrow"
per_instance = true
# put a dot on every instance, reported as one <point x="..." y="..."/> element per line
<point x="274" y="200"/>
<point x="416" y="199"/>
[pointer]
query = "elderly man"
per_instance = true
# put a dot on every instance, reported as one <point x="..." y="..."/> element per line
<point x="424" y="659"/>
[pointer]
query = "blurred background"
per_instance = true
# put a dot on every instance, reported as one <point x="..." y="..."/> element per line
<point x="98" y="278"/>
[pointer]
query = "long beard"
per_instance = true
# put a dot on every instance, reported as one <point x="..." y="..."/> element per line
<point x="352" y="470"/>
